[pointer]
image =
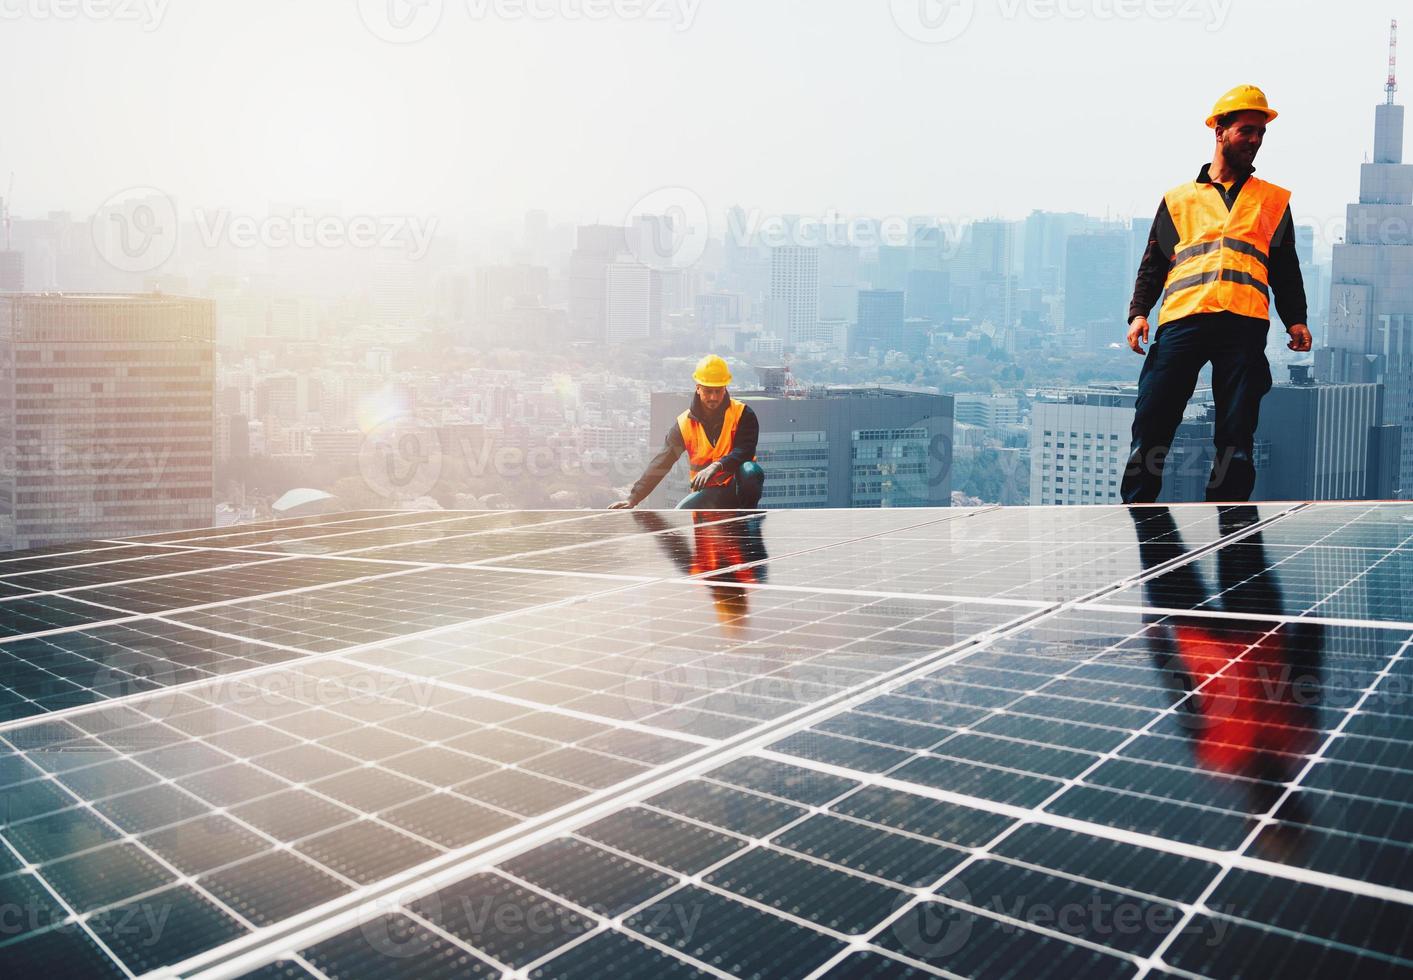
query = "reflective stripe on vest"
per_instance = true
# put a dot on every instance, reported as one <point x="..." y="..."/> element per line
<point x="1223" y="257"/>
<point x="700" y="451"/>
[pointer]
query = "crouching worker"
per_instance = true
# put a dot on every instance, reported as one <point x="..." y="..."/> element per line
<point x="719" y="436"/>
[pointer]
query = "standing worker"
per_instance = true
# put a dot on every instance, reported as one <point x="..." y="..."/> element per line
<point x="719" y="436"/>
<point x="1218" y="247"/>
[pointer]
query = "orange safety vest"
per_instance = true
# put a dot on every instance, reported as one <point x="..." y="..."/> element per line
<point x="701" y="453"/>
<point x="1222" y="260"/>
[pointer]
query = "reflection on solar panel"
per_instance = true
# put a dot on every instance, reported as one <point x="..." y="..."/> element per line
<point x="1044" y="742"/>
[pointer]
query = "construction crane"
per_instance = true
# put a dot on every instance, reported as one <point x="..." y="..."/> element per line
<point x="1392" y="85"/>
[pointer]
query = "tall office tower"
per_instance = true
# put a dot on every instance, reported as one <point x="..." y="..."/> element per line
<point x="929" y="295"/>
<point x="837" y="447"/>
<point x="1310" y="272"/>
<point x="982" y="280"/>
<point x="880" y="322"/>
<point x="1371" y="287"/>
<point x="1079" y="446"/>
<point x="1325" y="442"/>
<point x="106" y="406"/>
<point x="794" y="293"/>
<point x="12" y="271"/>
<point x="929" y="243"/>
<point x="396" y="299"/>
<point x="717" y="310"/>
<point x="894" y="261"/>
<point x="633" y="302"/>
<point x="838" y="278"/>
<point x="596" y="248"/>
<point x="1097" y="286"/>
<point x="1043" y="257"/>
<point x="500" y="288"/>
<point x="537" y="237"/>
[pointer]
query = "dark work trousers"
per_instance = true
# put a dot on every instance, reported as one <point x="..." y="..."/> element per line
<point x="1236" y="348"/>
<point x="743" y="491"/>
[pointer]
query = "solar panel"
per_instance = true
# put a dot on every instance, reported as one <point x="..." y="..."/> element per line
<point x="991" y="743"/>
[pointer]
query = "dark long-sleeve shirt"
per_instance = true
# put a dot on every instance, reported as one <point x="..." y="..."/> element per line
<point x="743" y="448"/>
<point x="1285" y="279"/>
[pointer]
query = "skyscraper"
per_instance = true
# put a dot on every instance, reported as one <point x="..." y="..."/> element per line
<point x="929" y="295"/>
<point x="880" y="322"/>
<point x="794" y="293"/>
<point x="633" y="308"/>
<point x="1079" y="446"/>
<point x="1097" y="285"/>
<point x="107" y="416"/>
<point x="596" y="248"/>
<point x="1371" y="286"/>
<point x="1324" y="441"/>
<point x="1046" y="234"/>
<point x="12" y="271"/>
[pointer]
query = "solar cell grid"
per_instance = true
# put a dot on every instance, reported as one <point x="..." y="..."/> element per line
<point x="77" y="667"/>
<point x="90" y="572"/>
<point x="351" y="795"/>
<point x="430" y="526"/>
<point x="13" y="563"/>
<point x="386" y="606"/>
<point x="689" y="658"/>
<point x="347" y="519"/>
<point x="226" y="584"/>
<point x="1135" y="783"/>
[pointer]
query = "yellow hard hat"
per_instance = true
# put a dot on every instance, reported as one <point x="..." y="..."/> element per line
<point x="1243" y="98"/>
<point x="712" y="372"/>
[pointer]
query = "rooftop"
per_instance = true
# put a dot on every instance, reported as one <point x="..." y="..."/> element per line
<point x="1039" y="741"/>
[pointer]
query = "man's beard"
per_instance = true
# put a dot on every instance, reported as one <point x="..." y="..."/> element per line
<point x="1238" y="160"/>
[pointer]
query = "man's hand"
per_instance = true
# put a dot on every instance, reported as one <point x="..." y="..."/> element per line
<point x="621" y="505"/>
<point x="1300" y="339"/>
<point x="1138" y="334"/>
<point x="700" y="481"/>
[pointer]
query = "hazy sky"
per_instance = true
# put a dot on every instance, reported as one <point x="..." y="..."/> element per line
<point x="785" y="105"/>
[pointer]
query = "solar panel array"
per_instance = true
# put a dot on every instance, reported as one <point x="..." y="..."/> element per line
<point x="888" y="743"/>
